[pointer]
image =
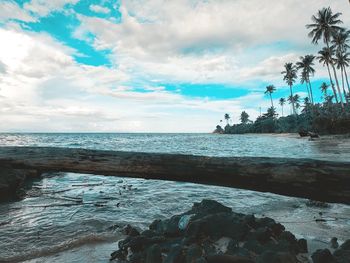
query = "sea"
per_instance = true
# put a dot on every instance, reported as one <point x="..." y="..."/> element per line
<point x="70" y="217"/>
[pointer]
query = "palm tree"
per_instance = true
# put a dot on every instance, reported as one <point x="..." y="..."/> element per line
<point x="227" y="117"/>
<point x="296" y="100"/>
<point x="340" y="40"/>
<point x="324" y="26"/>
<point x="269" y="90"/>
<point x="340" y="44"/>
<point x="282" y="102"/>
<point x="303" y="79"/>
<point x="290" y="76"/>
<point x="324" y="88"/>
<point x="305" y="64"/>
<point x="326" y="57"/>
<point x="341" y="61"/>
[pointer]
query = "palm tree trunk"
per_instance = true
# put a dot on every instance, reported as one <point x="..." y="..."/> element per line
<point x="332" y="84"/>
<point x="308" y="92"/>
<point x="346" y="77"/>
<point x="338" y="88"/>
<point x="342" y="82"/>
<point x="312" y="96"/>
<point x="271" y="100"/>
<point x="282" y="110"/>
<point x="291" y="94"/>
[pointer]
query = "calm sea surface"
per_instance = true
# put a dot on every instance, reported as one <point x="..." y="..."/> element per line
<point x="75" y="217"/>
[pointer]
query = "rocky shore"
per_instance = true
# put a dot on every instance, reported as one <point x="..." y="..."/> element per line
<point x="212" y="232"/>
<point x="12" y="181"/>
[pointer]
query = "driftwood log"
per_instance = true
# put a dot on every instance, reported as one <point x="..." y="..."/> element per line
<point x="318" y="180"/>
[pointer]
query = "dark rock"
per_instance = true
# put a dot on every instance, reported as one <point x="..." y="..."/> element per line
<point x="334" y="243"/>
<point x="273" y="257"/>
<point x="12" y="181"/>
<point x="168" y="227"/>
<point x="148" y="233"/>
<point x="175" y="255"/>
<point x="207" y="207"/>
<point x="193" y="253"/>
<point x="342" y="254"/>
<point x="322" y="256"/>
<point x="228" y="259"/>
<point x="130" y="231"/>
<point x="302" y="244"/>
<point x="154" y="254"/>
<point x="345" y="245"/>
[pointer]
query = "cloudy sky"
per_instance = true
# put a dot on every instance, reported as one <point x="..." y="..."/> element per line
<point x="147" y="65"/>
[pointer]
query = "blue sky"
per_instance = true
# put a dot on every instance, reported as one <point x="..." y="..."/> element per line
<point x="148" y="66"/>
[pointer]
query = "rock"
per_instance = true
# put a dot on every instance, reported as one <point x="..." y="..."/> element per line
<point x="228" y="259"/>
<point x="323" y="256"/>
<point x="168" y="227"/>
<point x="276" y="257"/>
<point x="207" y="207"/>
<point x="154" y="254"/>
<point x="175" y="255"/>
<point x="216" y="234"/>
<point x="12" y="181"/>
<point x="334" y="243"/>
<point x="193" y="253"/>
<point x="345" y="245"/>
<point x="342" y="254"/>
<point x="302" y="244"/>
<point x="130" y="231"/>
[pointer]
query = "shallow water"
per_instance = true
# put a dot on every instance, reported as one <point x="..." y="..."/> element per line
<point x="280" y="145"/>
<point x="74" y="217"/>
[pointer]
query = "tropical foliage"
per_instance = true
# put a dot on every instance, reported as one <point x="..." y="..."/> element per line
<point x="332" y="113"/>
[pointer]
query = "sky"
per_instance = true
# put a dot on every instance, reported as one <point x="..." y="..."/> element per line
<point x="148" y="65"/>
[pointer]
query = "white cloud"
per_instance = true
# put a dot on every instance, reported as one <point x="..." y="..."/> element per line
<point x="207" y="41"/>
<point x="99" y="9"/>
<point x="44" y="7"/>
<point x="11" y="10"/>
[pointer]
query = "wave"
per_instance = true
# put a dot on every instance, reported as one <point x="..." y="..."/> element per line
<point x="64" y="246"/>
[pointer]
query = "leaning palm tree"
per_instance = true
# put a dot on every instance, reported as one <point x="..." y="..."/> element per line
<point x="325" y="25"/>
<point x="326" y="58"/>
<point x="341" y="61"/>
<point x="305" y="64"/>
<point x="303" y="79"/>
<point x="282" y="101"/>
<point x="269" y="90"/>
<point x="290" y="76"/>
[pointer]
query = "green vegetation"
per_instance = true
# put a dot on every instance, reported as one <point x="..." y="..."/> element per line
<point x="332" y="115"/>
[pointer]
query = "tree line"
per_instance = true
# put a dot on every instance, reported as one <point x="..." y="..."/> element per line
<point x="332" y="114"/>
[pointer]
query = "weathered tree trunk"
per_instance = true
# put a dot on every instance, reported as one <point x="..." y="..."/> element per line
<point x="318" y="180"/>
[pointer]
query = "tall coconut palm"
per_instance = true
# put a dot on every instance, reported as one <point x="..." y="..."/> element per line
<point x="290" y="76"/>
<point x="305" y="64"/>
<point x="325" y="25"/>
<point x="282" y="101"/>
<point x="269" y="90"/>
<point x="324" y="88"/>
<point x="303" y="79"/>
<point x="340" y="43"/>
<point x="341" y="61"/>
<point x="326" y="58"/>
<point x="227" y="117"/>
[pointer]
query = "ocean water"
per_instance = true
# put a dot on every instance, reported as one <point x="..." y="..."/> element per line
<point x="67" y="217"/>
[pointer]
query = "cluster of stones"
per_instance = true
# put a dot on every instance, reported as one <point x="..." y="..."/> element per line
<point x="211" y="232"/>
